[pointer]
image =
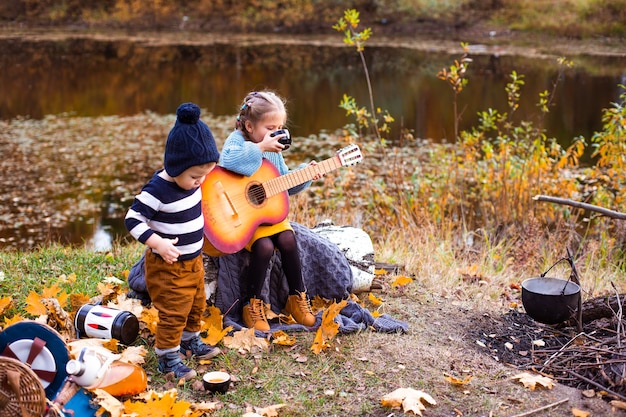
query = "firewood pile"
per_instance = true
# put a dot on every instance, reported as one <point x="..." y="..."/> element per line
<point x="593" y="360"/>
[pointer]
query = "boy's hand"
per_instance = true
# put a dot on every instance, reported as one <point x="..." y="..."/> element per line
<point x="167" y="250"/>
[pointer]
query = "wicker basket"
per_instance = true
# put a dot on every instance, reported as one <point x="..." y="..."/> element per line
<point x="21" y="392"/>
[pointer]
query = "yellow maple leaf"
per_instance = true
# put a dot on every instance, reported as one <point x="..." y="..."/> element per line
<point x="12" y="320"/>
<point x="458" y="381"/>
<point x="380" y="271"/>
<point x="531" y="380"/>
<point x="78" y="300"/>
<point x="106" y="289"/>
<point x="215" y="335"/>
<point x="246" y="341"/>
<point x="214" y="318"/>
<point x="411" y="400"/>
<point x="318" y="304"/>
<point x="5" y="302"/>
<point x="34" y="305"/>
<point x="111" y="344"/>
<point x="401" y="281"/>
<point x="160" y="405"/>
<point x="374" y="300"/>
<point x="376" y="314"/>
<point x="150" y="317"/>
<point x="279" y="337"/>
<point x="328" y="328"/>
<point x="51" y="292"/>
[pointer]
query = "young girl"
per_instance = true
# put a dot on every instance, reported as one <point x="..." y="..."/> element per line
<point x="261" y="114"/>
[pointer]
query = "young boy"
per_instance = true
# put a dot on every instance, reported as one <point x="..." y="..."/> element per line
<point x="167" y="217"/>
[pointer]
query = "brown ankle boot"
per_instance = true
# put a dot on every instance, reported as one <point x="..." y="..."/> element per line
<point x="300" y="309"/>
<point x="254" y="315"/>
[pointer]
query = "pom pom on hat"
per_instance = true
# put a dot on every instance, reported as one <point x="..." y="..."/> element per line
<point x="188" y="113"/>
<point x="190" y="142"/>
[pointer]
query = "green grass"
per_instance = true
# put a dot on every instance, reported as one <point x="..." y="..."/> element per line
<point x="23" y="272"/>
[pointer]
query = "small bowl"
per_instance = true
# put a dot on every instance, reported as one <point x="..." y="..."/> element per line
<point x="216" y="381"/>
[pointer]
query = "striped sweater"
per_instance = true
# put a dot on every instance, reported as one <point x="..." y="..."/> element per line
<point x="164" y="208"/>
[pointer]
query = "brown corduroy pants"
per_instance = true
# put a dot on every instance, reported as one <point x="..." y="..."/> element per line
<point x="177" y="292"/>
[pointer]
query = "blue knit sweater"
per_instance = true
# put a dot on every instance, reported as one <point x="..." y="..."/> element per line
<point x="244" y="157"/>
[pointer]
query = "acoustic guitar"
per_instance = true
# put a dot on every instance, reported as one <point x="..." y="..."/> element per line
<point x="234" y="205"/>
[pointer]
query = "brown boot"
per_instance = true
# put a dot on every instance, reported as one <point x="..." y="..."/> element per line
<point x="254" y="315"/>
<point x="300" y="309"/>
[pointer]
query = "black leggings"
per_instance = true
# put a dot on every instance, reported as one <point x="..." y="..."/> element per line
<point x="262" y="251"/>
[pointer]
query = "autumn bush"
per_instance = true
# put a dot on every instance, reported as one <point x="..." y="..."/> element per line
<point x="569" y="18"/>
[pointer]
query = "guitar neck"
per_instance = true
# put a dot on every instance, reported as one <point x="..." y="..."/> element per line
<point x="285" y="182"/>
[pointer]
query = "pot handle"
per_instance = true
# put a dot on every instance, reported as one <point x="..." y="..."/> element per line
<point x="569" y="259"/>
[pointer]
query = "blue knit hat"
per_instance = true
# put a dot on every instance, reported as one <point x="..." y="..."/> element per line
<point x="190" y="142"/>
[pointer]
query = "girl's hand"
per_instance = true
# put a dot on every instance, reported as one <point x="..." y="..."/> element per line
<point x="318" y="175"/>
<point x="271" y="143"/>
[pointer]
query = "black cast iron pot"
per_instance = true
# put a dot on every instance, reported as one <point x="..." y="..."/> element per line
<point x="550" y="300"/>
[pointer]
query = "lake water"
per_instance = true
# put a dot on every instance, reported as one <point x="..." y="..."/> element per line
<point x="97" y="76"/>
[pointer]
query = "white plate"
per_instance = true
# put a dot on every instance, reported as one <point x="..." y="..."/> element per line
<point x="43" y="361"/>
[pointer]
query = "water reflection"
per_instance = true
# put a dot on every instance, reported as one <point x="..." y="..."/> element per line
<point x="92" y="78"/>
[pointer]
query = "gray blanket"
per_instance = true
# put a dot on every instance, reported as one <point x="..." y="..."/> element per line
<point x="325" y="270"/>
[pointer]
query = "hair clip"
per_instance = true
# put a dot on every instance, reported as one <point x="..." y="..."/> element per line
<point x="243" y="106"/>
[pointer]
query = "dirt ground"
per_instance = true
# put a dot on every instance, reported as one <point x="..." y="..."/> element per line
<point x="457" y="338"/>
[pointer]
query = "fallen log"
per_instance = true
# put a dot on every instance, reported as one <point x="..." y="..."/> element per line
<point x="565" y="201"/>
<point x="601" y="307"/>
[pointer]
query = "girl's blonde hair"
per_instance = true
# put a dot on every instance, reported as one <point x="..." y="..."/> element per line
<point x="256" y="105"/>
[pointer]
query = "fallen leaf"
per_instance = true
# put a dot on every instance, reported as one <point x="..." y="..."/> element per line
<point x="216" y="335"/>
<point x="580" y="413"/>
<point x="5" y="302"/>
<point x="160" y="405"/>
<point x="282" y="338"/>
<point x="270" y="411"/>
<point x="621" y="405"/>
<point x="531" y="380"/>
<point x="329" y="328"/>
<point x="409" y="399"/>
<point x="108" y="403"/>
<point x="134" y="354"/>
<point x="374" y="300"/>
<point x="458" y="381"/>
<point x="401" y="281"/>
<point x="34" y="305"/>
<point x="539" y="343"/>
<point x="150" y="317"/>
<point x="245" y="340"/>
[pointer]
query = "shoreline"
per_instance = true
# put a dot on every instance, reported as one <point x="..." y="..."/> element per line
<point x="481" y="41"/>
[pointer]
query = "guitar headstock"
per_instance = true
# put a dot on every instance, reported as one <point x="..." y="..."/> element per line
<point x="350" y="155"/>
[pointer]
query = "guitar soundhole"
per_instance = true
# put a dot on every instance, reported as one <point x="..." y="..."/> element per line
<point x="256" y="194"/>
